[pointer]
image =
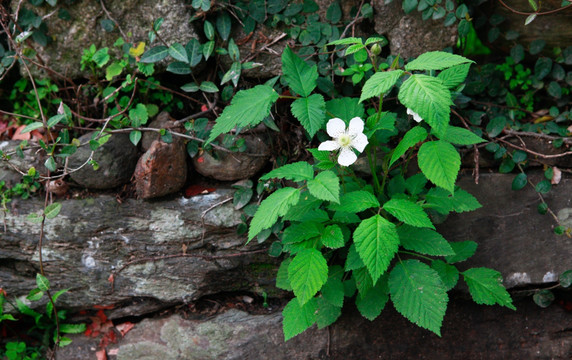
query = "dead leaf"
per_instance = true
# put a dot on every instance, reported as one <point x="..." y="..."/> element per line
<point x="101" y="355"/>
<point x="18" y="134"/>
<point x="556" y="176"/>
<point x="125" y="327"/>
<point x="194" y="190"/>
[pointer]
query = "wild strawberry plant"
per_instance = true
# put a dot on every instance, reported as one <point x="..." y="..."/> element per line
<point x="372" y="238"/>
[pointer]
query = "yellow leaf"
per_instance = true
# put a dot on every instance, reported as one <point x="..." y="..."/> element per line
<point x="137" y="50"/>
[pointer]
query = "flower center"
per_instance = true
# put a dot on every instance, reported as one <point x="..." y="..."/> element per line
<point x="344" y="140"/>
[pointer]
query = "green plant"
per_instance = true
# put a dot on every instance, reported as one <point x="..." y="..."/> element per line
<point x="342" y="233"/>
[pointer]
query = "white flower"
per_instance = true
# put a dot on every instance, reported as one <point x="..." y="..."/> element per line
<point x="345" y="140"/>
<point x="415" y="115"/>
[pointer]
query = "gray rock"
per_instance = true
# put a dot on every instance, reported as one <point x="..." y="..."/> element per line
<point x="10" y="170"/>
<point x="116" y="158"/>
<point x="408" y="35"/>
<point x="70" y="38"/>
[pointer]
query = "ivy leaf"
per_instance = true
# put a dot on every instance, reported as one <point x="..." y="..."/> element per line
<point x="155" y="54"/>
<point x="424" y="241"/>
<point x="373" y="301"/>
<point x="300" y="76"/>
<point x="379" y="83"/>
<point x="298" y="171"/>
<point x="440" y="163"/>
<point x="355" y="202"/>
<point x="376" y="242"/>
<point x="454" y="76"/>
<point x="460" y="136"/>
<point x="448" y="273"/>
<point x="194" y="52"/>
<point x="325" y="186"/>
<point x="327" y="313"/>
<point x="307" y="273"/>
<point x="178" y="52"/>
<point x="333" y="237"/>
<point x="42" y="282"/>
<point x="223" y="25"/>
<point x="436" y="60"/>
<point x="248" y="107"/>
<point x="463" y="250"/>
<point x="412" y="137"/>
<point x="311" y="112"/>
<point x="274" y="206"/>
<point x="418" y="294"/>
<point x="179" y="68"/>
<point x="428" y="97"/>
<point x="408" y="212"/>
<point x="298" y="318"/>
<point x="485" y="286"/>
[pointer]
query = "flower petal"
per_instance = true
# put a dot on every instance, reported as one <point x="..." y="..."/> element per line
<point x="329" y="146"/>
<point x="336" y="127"/>
<point x="415" y="115"/>
<point x="347" y="157"/>
<point x="356" y="126"/>
<point x="360" y="142"/>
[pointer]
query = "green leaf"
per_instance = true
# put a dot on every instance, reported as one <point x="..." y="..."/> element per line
<point x="460" y="136"/>
<point x="412" y="137"/>
<point x="282" y="281"/>
<point x="232" y="74"/>
<point x="52" y="210"/>
<point x="72" y="328"/>
<point x="379" y="83"/>
<point x="113" y="70"/>
<point x="408" y="212"/>
<point x="300" y="76"/>
<point x="311" y="112"/>
<point x="50" y="164"/>
<point x="209" y="30"/>
<point x="155" y="54"/>
<point x="101" y="57"/>
<point x="356" y="201"/>
<point x="248" y="107"/>
<point x="325" y="186"/>
<point x="208" y="49"/>
<point x="353" y="261"/>
<point x="298" y="318"/>
<point x="376" y="242"/>
<point x="274" y="206"/>
<point x="42" y="282"/>
<point x="448" y="273"/>
<point x="177" y="52"/>
<point x="463" y="201"/>
<point x="299" y="232"/>
<point x="543" y="298"/>
<point x="35" y="294"/>
<point x="31" y="127"/>
<point x="363" y="280"/>
<point x="327" y="313"/>
<point x="135" y="137"/>
<point x="485" y="286"/>
<point x="565" y="279"/>
<point x="138" y="115"/>
<point x="346" y="41"/>
<point x="208" y="87"/>
<point x="190" y="87"/>
<point x="333" y="291"/>
<point x="333" y="237"/>
<point x="436" y="60"/>
<point x="373" y="301"/>
<point x="223" y="25"/>
<point x="416" y="183"/>
<point x="54" y="120"/>
<point x="418" y="294"/>
<point x="298" y="171"/>
<point x="179" y="68"/>
<point x="463" y="250"/>
<point x="440" y="163"/>
<point x="345" y="108"/>
<point x="428" y="97"/>
<point x="454" y="76"/>
<point x="424" y="241"/>
<point x="307" y="273"/>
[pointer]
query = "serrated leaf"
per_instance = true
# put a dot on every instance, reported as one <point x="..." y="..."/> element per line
<point x="52" y="210"/>
<point x="327" y="313"/>
<point x="424" y="241"/>
<point x="416" y="183"/>
<point x="300" y="76"/>
<point x="155" y="54"/>
<point x="353" y="260"/>
<point x="363" y="280"/>
<point x="72" y="328"/>
<point x="298" y="318"/>
<point x="346" y="41"/>
<point x="333" y="237"/>
<point x="299" y="232"/>
<point x="429" y="98"/>
<point x="298" y="171"/>
<point x="418" y="294"/>
<point x="463" y="201"/>
<point x="352" y="49"/>
<point x="440" y="163"/>
<point x="436" y="60"/>
<point x="345" y="108"/>
<point x="248" y="107"/>
<point x="311" y="112"/>
<point x="376" y="242"/>
<point x="454" y="76"/>
<point x="274" y="206"/>
<point x="412" y="137"/>
<point x="408" y="212"/>
<point x="282" y="281"/>
<point x="178" y="52"/>
<point x="379" y="83"/>
<point x="485" y="286"/>
<point x="373" y="301"/>
<point x="333" y="291"/>
<point x="307" y="273"/>
<point x="448" y="273"/>
<point x="42" y="282"/>
<point x="463" y="250"/>
<point x="325" y="186"/>
<point x="460" y="136"/>
<point x="355" y="202"/>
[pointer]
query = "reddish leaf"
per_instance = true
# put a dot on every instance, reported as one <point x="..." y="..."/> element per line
<point x="194" y="190"/>
<point x="125" y="327"/>
<point x="18" y="134"/>
<point x="101" y="355"/>
<point x="110" y="337"/>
